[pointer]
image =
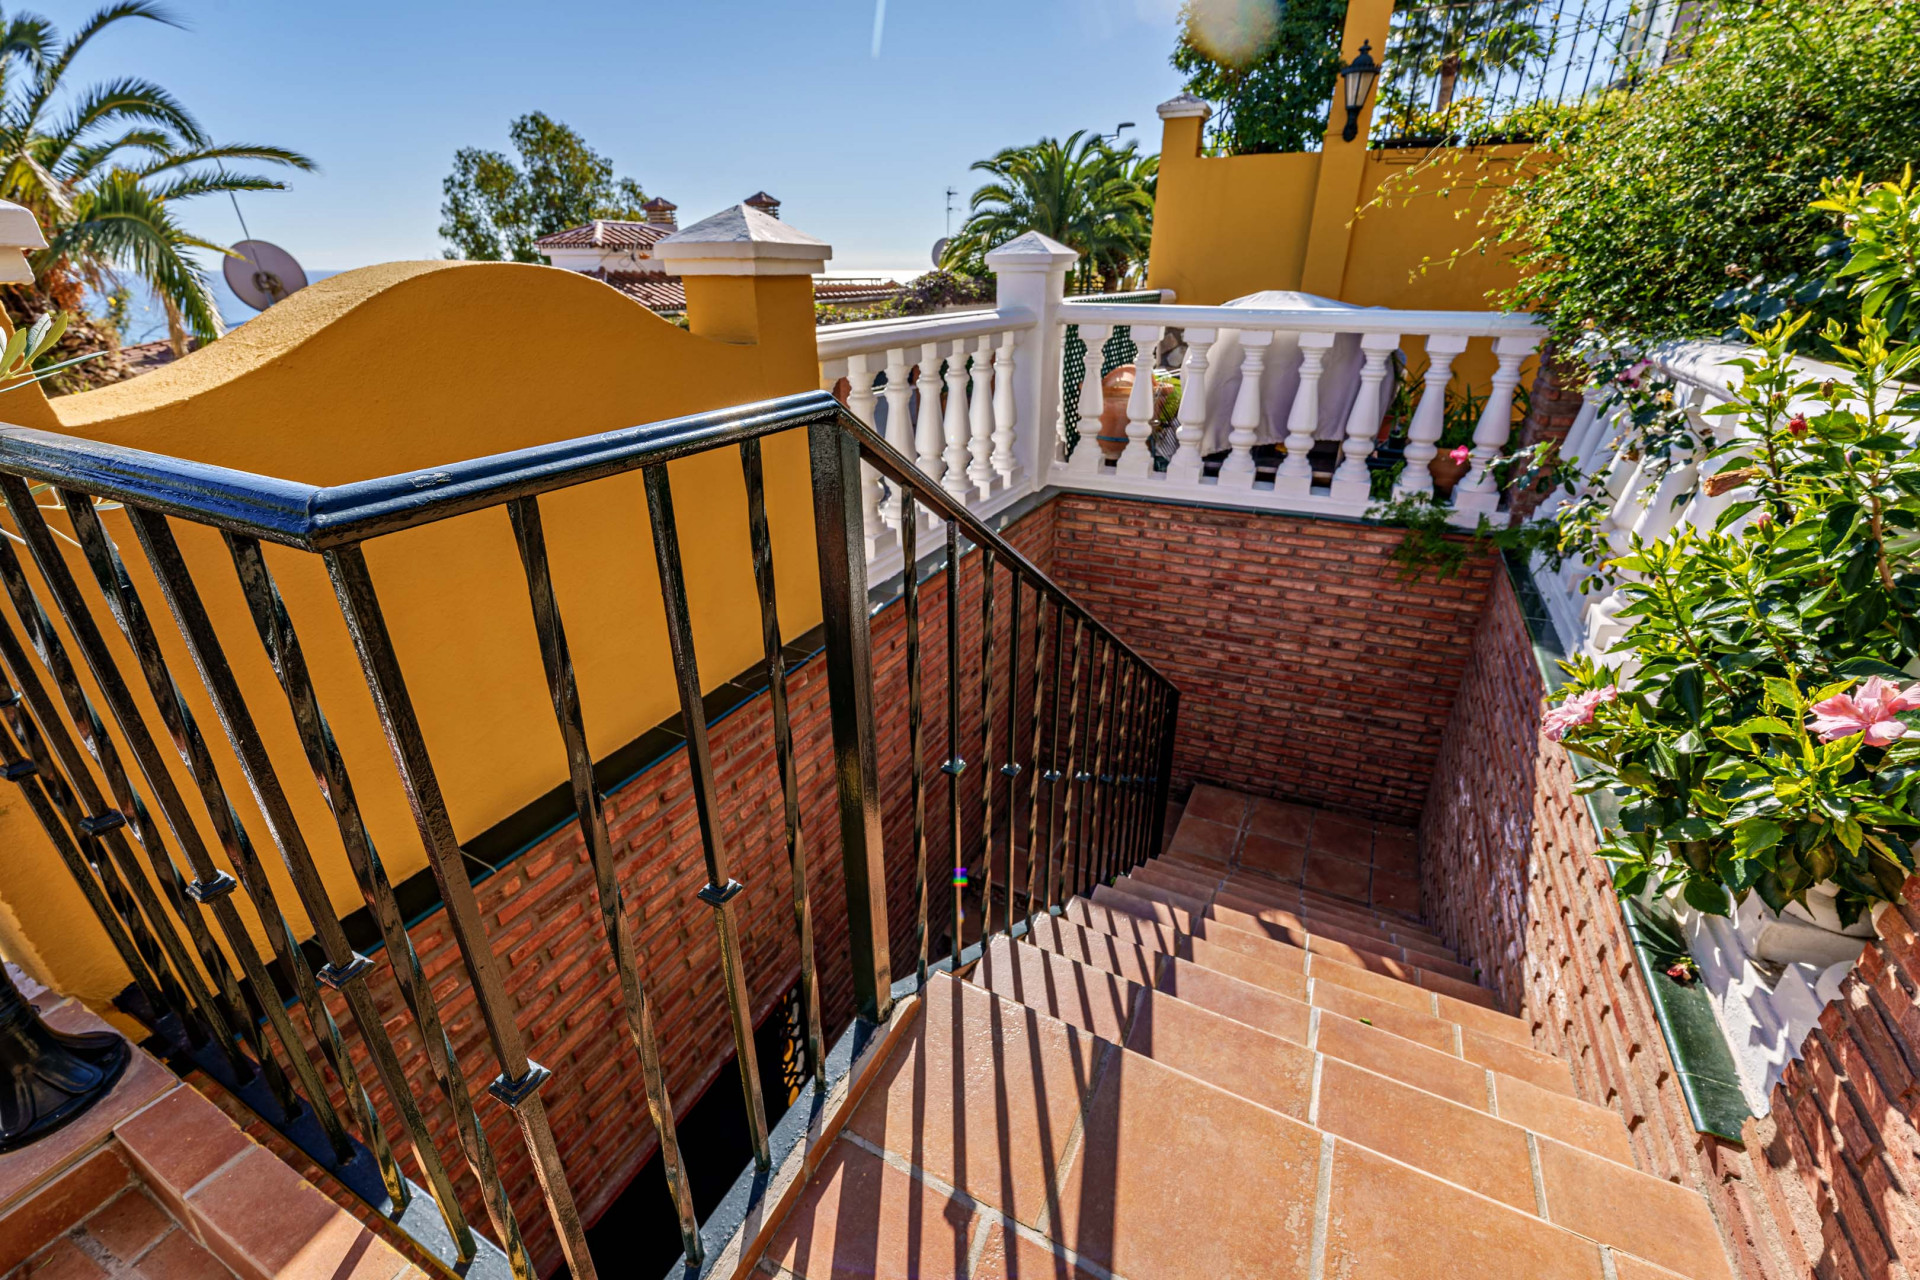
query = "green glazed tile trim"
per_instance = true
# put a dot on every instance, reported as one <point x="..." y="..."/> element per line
<point x="1709" y="1081"/>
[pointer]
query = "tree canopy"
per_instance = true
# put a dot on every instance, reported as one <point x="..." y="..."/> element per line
<point x="1084" y="192"/>
<point x="495" y="207"/>
<point x="1273" y="96"/>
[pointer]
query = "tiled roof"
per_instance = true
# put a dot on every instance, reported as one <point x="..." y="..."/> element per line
<point x="843" y="291"/>
<point x="658" y="291"/>
<point x="606" y="233"/>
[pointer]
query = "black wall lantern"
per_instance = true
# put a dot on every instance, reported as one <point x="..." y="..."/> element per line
<point x="1357" y="79"/>
<point x="48" y="1077"/>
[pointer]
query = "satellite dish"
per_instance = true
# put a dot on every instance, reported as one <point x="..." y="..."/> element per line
<point x="261" y="274"/>
<point x="939" y="252"/>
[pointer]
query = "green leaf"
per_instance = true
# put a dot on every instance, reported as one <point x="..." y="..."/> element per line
<point x="1756" y="835"/>
<point x="1706" y="896"/>
<point x="1784" y="692"/>
<point x="1689" y="829"/>
<point x="1861" y="668"/>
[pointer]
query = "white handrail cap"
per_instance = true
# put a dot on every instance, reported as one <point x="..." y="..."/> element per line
<point x="1030" y="249"/>
<point x="1184" y="105"/>
<point x="742" y="241"/>
<point x="19" y="232"/>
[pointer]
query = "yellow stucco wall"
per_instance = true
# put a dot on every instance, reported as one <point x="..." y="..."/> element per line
<point x="1225" y="226"/>
<point x="406" y="366"/>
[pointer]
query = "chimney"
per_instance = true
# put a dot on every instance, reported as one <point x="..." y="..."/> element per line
<point x="660" y="213"/>
<point x="764" y="203"/>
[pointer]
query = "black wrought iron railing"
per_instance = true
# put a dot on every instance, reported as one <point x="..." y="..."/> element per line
<point x="1074" y="747"/>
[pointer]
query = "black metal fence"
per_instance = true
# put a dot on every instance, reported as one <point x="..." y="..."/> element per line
<point x="1082" y="765"/>
<point x="1482" y="72"/>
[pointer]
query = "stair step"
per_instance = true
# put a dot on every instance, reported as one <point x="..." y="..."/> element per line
<point x="1289" y="897"/>
<point x="1143" y="1119"/>
<point x="1414" y="1012"/>
<point x="1190" y="916"/>
<point x="1559" y="1115"/>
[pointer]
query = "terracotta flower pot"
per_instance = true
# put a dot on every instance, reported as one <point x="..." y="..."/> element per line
<point x="1116" y="389"/>
<point x="1446" y="473"/>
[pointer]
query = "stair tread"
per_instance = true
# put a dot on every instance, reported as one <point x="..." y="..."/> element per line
<point x="1287" y="895"/>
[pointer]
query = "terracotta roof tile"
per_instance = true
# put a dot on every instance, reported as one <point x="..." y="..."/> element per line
<point x="607" y="233"/>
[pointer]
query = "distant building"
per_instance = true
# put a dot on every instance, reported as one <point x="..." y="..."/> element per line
<point x="621" y="254"/>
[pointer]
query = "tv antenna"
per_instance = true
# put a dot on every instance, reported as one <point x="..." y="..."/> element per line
<point x="951" y="193"/>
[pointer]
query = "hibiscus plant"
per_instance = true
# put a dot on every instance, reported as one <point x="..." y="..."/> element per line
<point x="1757" y="718"/>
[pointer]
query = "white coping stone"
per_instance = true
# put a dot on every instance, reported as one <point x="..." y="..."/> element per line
<point x="742" y="241"/>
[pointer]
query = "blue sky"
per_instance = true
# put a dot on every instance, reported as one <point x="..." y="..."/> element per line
<point x="703" y="101"/>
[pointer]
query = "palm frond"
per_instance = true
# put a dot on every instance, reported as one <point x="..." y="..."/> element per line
<point x="188" y="185"/>
<point x="54" y="66"/>
<point x="230" y="151"/>
<point x="131" y="99"/>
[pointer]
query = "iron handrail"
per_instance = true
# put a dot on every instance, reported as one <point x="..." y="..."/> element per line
<point x="325" y="517"/>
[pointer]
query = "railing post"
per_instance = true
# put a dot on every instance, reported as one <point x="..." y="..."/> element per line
<point x="1086" y="450"/>
<point x="1476" y="494"/>
<point x="1351" y="480"/>
<point x="1163" y="770"/>
<point x="1429" y="418"/>
<point x="835" y="460"/>
<point x="1030" y="271"/>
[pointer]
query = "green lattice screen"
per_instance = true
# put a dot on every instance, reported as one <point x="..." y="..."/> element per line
<point x="1119" y="350"/>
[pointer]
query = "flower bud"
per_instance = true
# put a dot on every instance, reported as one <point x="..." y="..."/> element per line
<point x="1797" y="424"/>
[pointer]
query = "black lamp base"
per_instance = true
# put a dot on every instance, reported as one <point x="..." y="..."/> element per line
<point x="48" y="1077"/>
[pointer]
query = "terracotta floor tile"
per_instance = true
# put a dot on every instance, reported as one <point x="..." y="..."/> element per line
<point x="982" y="1094"/>
<point x="861" y="1217"/>
<point x="1338" y="876"/>
<point x="1268" y="1011"/>
<point x="1174" y="876"/>
<point x="1457" y="987"/>
<point x="1466" y="1147"/>
<point x="1395" y="892"/>
<point x="180" y="1257"/>
<point x="1149" y="934"/>
<point x="127" y="1226"/>
<point x="1343" y="837"/>
<point x="144" y="1079"/>
<point x="1576" y="1123"/>
<point x="1279" y="978"/>
<point x="1062" y="936"/>
<point x="1648" y="1217"/>
<point x="1215" y="804"/>
<point x="1259" y="946"/>
<point x="1418" y="1027"/>
<point x="1488" y="1022"/>
<point x="1402" y="1059"/>
<point x="1200" y="838"/>
<point x="1276" y="923"/>
<point x="1128" y="898"/>
<point x="1258" y="1067"/>
<point x="1085" y="996"/>
<point x="181" y="1139"/>
<point x="1400" y="842"/>
<point x="1185" y="896"/>
<point x="1010" y="1255"/>
<point x="1273" y="857"/>
<point x="1388" y="1222"/>
<point x="1279" y="820"/>
<point x="1381" y="986"/>
<point x="257" y="1208"/>
<point x="1627" y="1267"/>
<point x="26" y="1228"/>
<point x="1178" y="1179"/>
<point x="63" y="1262"/>
<point x="1517" y="1061"/>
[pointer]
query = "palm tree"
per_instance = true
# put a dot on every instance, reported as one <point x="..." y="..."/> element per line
<point x="1084" y="192"/>
<point x="103" y="168"/>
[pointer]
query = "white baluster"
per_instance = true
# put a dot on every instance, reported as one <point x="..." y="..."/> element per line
<point x="1295" y="477"/>
<point x="1476" y="493"/>
<point x="860" y="400"/>
<point x="1138" y="459"/>
<point x="954" y="480"/>
<point x="1005" y="461"/>
<point x="1430" y="417"/>
<point x="1350" y="479"/>
<point x="899" y="395"/>
<point x="1086" y="453"/>
<point x="980" y="418"/>
<point x="1186" y="466"/>
<point x="927" y="436"/>
<point x="1238" y="470"/>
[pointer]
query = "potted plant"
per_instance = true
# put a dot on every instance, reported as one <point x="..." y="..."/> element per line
<point x="1116" y="390"/>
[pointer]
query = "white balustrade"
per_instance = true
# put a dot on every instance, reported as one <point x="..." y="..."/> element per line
<point x="1185" y="465"/>
<point x="927" y="436"/>
<point x="1006" y="411"/>
<point x="1350" y="478"/>
<point x="861" y="399"/>
<point x="1238" y="470"/>
<point x="980" y="418"/>
<point x="1137" y="460"/>
<point x="1294" y="479"/>
<point x="1429" y="417"/>
<point x="899" y="394"/>
<point x="1476" y="494"/>
<point x="954" y="425"/>
<point x="1086" y="452"/>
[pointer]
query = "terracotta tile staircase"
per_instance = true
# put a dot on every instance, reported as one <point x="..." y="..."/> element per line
<point x="1208" y="1069"/>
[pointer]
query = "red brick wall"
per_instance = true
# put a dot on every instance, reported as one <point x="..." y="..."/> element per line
<point x="543" y="916"/>
<point x="1308" y="670"/>
<point x="1826" y="1184"/>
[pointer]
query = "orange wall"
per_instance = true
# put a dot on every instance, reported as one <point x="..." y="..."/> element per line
<point x="410" y="365"/>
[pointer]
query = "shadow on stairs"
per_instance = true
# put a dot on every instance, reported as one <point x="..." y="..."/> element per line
<point x="1224" y="1065"/>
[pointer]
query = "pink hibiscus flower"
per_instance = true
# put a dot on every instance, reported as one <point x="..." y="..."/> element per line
<point x="1869" y="710"/>
<point x="1576" y="710"/>
<point x="1460" y="454"/>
